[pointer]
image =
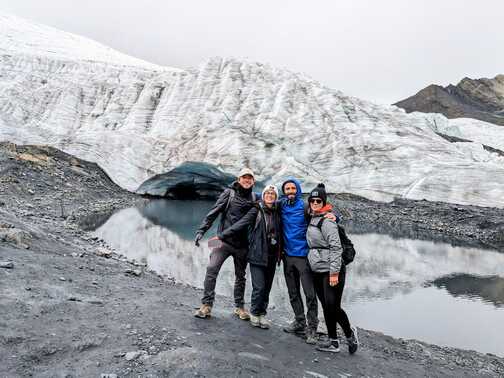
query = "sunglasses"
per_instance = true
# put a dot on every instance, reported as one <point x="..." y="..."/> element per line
<point x="316" y="200"/>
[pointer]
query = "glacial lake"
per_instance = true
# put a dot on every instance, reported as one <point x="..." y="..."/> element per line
<point x="413" y="289"/>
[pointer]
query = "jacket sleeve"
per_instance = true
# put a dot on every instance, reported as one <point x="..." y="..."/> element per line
<point x="331" y="235"/>
<point x="245" y="221"/>
<point x="214" y="212"/>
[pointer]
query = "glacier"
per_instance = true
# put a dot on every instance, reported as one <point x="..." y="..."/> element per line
<point x="136" y="119"/>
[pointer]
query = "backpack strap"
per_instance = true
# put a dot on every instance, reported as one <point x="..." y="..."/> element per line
<point x="319" y="223"/>
<point x="232" y="194"/>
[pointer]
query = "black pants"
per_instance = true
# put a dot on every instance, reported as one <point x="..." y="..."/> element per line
<point x="217" y="258"/>
<point x="262" y="279"/>
<point x="297" y="271"/>
<point x="330" y="298"/>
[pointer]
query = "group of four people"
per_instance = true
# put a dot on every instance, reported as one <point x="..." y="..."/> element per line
<point x="263" y="232"/>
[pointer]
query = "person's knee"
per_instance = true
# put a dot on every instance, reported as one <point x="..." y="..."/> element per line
<point x="213" y="269"/>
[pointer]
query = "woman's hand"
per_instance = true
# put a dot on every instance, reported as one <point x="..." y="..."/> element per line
<point x="333" y="279"/>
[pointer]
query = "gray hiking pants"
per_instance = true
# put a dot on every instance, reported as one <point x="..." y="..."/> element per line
<point x="217" y="258"/>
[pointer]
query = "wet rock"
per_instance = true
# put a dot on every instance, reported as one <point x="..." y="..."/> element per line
<point x="6" y="264"/>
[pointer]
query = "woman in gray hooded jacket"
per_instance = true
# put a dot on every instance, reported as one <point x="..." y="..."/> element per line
<point x="325" y="258"/>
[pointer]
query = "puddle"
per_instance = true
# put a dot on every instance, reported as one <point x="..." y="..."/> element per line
<point x="407" y="288"/>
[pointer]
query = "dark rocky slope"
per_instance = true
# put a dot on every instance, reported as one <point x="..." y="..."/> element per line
<point x="481" y="99"/>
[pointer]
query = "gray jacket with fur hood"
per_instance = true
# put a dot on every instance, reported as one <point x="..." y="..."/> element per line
<point x="325" y="245"/>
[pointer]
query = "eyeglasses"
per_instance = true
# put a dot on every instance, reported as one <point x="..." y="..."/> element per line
<point x="316" y="200"/>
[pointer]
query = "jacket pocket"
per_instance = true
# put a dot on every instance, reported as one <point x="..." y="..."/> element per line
<point x="319" y="260"/>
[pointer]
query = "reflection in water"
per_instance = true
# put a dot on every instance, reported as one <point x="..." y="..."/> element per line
<point x="177" y="216"/>
<point x="489" y="289"/>
<point x="385" y="267"/>
<point x="382" y="283"/>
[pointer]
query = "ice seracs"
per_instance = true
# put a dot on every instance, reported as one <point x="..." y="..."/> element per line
<point x="136" y="121"/>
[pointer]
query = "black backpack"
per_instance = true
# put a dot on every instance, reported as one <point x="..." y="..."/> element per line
<point x="348" y="254"/>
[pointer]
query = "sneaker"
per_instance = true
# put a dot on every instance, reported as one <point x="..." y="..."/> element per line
<point x="311" y="336"/>
<point x="264" y="323"/>
<point x="353" y="341"/>
<point x="241" y="313"/>
<point x="296" y="327"/>
<point x="205" y="311"/>
<point x="331" y="346"/>
<point x="255" y="321"/>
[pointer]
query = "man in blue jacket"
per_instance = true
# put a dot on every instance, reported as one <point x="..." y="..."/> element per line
<point x="296" y="267"/>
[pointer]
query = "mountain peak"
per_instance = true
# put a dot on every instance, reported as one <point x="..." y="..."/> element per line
<point x="481" y="99"/>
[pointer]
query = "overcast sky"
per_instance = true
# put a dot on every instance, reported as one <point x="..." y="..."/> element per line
<point x="380" y="50"/>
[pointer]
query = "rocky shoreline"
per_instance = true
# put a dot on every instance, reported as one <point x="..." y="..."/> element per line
<point x="71" y="307"/>
<point x="474" y="226"/>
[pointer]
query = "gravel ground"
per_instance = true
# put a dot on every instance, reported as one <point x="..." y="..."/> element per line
<point x="70" y="307"/>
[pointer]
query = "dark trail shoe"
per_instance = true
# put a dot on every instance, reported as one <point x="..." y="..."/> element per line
<point x="353" y="341"/>
<point x="296" y="327"/>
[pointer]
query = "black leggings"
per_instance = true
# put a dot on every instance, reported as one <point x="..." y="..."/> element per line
<point x="330" y="298"/>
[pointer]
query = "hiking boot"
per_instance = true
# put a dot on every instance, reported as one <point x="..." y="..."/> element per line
<point x="255" y="320"/>
<point x="296" y="327"/>
<point x="311" y="336"/>
<point x="353" y="341"/>
<point x="264" y="323"/>
<point x="205" y="311"/>
<point x="329" y="345"/>
<point x="241" y="313"/>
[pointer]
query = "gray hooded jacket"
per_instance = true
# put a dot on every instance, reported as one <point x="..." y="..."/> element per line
<point x="325" y="246"/>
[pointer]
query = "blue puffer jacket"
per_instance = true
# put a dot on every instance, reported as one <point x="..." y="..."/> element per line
<point x="294" y="223"/>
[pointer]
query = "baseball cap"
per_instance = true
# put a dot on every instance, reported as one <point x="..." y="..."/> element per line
<point x="246" y="171"/>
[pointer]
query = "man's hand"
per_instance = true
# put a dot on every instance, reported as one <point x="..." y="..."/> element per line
<point x="198" y="237"/>
<point x="333" y="279"/>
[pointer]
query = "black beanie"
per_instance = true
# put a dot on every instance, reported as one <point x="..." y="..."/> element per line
<point x="319" y="192"/>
